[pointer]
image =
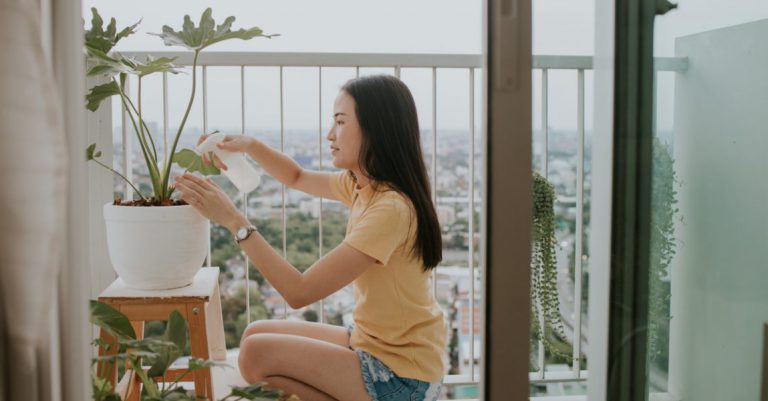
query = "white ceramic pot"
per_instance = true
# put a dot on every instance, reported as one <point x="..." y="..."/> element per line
<point x="156" y="247"/>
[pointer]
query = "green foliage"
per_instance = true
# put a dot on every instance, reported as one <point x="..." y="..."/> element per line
<point x="99" y="93"/>
<point x="160" y="354"/>
<point x="99" y="42"/>
<point x="310" y="315"/>
<point x="207" y="33"/>
<point x="114" y="322"/>
<point x="192" y="162"/>
<point x="544" y="295"/>
<point x="663" y="215"/>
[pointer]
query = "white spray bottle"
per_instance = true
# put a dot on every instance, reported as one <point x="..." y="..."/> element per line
<point x="239" y="171"/>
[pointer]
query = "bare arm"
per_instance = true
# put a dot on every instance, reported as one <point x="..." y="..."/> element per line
<point x="287" y="171"/>
<point x="326" y="276"/>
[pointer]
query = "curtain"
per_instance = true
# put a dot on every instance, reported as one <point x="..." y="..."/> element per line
<point x="33" y="201"/>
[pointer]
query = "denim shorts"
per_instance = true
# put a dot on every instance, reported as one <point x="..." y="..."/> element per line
<point x="383" y="384"/>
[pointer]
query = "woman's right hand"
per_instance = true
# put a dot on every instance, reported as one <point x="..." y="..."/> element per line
<point x="231" y="143"/>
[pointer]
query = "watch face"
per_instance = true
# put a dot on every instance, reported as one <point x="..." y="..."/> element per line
<point x="242" y="232"/>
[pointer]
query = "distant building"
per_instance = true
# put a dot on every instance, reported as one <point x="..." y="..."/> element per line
<point x="446" y="214"/>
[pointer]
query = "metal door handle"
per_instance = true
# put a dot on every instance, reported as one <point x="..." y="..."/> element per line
<point x="664" y="6"/>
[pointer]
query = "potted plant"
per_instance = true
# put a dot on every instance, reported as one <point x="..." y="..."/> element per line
<point x="155" y="242"/>
<point x="158" y="354"/>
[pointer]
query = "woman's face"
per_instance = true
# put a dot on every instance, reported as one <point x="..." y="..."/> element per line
<point x="345" y="134"/>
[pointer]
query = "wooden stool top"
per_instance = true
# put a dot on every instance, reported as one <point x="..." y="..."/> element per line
<point x="203" y="287"/>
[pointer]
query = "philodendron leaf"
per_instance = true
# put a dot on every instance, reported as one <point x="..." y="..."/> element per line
<point x="111" y="320"/>
<point x="191" y="161"/>
<point x="207" y="33"/>
<point x="105" y="40"/>
<point x="106" y="65"/>
<point x="152" y="65"/>
<point x="98" y="93"/>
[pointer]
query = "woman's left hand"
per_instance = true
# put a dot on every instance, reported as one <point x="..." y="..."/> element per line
<point x="208" y="199"/>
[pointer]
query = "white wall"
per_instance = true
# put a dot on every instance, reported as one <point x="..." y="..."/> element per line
<point x="720" y="274"/>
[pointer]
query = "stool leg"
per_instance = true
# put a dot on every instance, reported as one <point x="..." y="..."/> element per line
<point x="134" y="383"/>
<point x="215" y="326"/>
<point x="107" y="369"/>
<point x="198" y="340"/>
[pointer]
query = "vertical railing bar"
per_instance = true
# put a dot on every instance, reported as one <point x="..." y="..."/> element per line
<point x="544" y="120"/>
<point x="545" y="169"/>
<point x="472" y="222"/>
<point x="127" y="146"/>
<point x="282" y="149"/>
<point x="579" y="227"/>
<point x="320" y="148"/>
<point x="205" y="129"/>
<point x="434" y="160"/>
<point x="397" y="71"/>
<point x="245" y="202"/>
<point x="357" y="72"/>
<point x="165" y="118"/>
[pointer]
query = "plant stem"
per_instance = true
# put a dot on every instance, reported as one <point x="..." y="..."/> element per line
<point x="121" y="176"/>
<point x="143" y="126"/>
<point x="167" y="167"/>
<point x="151" y="165"/>
<point x="149" y="385"/>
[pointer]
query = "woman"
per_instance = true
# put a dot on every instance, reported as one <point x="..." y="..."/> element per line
<point x="394" y="351"/>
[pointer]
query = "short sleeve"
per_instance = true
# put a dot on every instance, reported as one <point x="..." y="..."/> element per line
<point x="383" y="227"/>
<point x="343" y="187"/>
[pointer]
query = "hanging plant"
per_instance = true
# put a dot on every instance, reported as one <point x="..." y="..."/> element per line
<point x="664" y="212"/>
<point x="545" y="303"/>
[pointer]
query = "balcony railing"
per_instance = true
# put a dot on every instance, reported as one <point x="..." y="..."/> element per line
<point x="433" y="63"/>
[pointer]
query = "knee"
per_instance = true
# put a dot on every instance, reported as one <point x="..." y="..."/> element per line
<point x="251" y="350"/>
<point x="259" y="326"/>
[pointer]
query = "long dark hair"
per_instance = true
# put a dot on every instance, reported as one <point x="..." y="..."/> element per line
<point x="391" y="153"/>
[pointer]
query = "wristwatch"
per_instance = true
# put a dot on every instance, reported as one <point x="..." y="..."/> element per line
<point x="244" y="232"/>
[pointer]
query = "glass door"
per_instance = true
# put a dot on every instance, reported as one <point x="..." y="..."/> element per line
<point x="688" y="275"/>
<point x="708" y="274"/>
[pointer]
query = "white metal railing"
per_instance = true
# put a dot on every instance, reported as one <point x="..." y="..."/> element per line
<point x="398" y="62"/>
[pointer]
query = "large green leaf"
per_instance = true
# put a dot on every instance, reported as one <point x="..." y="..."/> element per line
<point x="111" y="320"/>
<point x="98" y="93"/>
<point x="104" y="40"/>
<point x="108" y="65"/>
<point x="153" y="65"/>
<point x="191" y="161"/>
<point x="207" y="33"/>
<point x="176" y="336"/>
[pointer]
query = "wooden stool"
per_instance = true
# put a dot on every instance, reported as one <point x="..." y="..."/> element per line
<point x="199" y="303"/>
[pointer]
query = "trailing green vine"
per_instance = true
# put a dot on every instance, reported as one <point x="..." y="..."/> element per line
<point x="663" y="214"/>
<point x="544" y="295"/>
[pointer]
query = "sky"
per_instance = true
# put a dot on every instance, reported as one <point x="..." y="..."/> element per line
<point x="560" y="27"/>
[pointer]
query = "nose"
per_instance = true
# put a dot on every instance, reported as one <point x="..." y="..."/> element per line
<point x="330" y="135"/>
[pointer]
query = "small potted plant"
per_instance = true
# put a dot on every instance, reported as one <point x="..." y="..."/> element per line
<point x="159" y="354"/>
<point x="155" y="242"/>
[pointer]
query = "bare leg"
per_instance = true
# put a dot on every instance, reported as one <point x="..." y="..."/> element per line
<point x="319" y="331"/>
<point x="333" y="369"/>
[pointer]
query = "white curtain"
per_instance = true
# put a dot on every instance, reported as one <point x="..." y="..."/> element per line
<point x="36" y="160"/>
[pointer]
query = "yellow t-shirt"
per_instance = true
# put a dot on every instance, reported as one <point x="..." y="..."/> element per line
<point x="397" y="319"/>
